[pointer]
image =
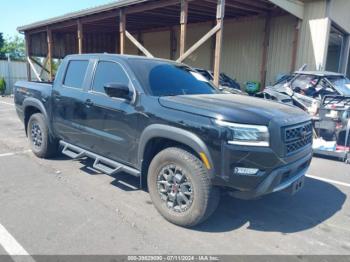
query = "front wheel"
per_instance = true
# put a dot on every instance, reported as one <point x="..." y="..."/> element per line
<point x="180" y="187"/>
<point x="38" y="133"/>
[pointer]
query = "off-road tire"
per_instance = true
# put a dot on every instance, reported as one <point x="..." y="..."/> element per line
<point x="49" y="146"/>
<point x="205" y="196"/>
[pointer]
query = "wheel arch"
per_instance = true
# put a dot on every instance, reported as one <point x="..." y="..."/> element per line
<point x="32" y="106"/>
<point x="178" y="136"/>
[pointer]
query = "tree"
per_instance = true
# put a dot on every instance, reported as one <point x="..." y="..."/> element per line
<point x="2" y="42"/>
<point x="15" y="47"/>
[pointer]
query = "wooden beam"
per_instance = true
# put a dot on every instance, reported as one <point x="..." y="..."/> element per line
<point x="295" y="45"/>
<point x="43" y="68"/>
<point x="100" y="16"/>
<point x="29" y="60"/>
<point x="140" y="40"/>
<point x="122" y="26"/>
<point x="199" y="43"/>
<point x="27" y="42"/>
<point x="257" y="4"/>
<point x="220" y="14"/>
<point x="150" y="6"/>
<point x="138" y="45"/>
<point x="265" y="51"/>
<point x="183" y="26"/>
<point x="80" y="34"/>
<point x="294" y="7"/>
<point x="240" y="6"/>
<point x="49" y="52"/>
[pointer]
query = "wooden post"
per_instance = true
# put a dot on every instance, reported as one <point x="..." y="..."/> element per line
<point x="295" y="45"/>
<point x="80" y="34"/>
<point x="173" y="43"/>
<point x="122" y="27"/>
<point x="220" y="14"/>
<point x="29" y="72"/>
<point x="49" y="52"/>
<point x="212" y="49"/>
<point x="183" y="26"/>
<point x="265" y="51"/>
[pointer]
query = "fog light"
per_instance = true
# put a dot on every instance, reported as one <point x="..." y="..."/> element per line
<point x="243" y="171"/>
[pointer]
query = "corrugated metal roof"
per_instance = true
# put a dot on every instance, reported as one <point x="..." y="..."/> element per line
<point x="81" y="13"/>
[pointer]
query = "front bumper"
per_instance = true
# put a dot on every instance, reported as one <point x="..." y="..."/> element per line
<point x="275" y="173"/>
<point x="278" y="180"/>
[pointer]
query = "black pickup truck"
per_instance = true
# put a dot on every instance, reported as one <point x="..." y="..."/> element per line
<point x="166" y="124"/>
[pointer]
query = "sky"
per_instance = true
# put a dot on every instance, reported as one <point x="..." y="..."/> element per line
<point x="14" y="13"/>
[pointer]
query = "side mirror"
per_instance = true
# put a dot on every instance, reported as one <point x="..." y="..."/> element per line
<point x="117" y="90"/>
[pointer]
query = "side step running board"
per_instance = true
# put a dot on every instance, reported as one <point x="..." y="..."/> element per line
<point x="101" y="163"/>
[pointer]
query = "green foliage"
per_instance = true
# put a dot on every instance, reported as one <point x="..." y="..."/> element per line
<point x="2" y="86"/>
<point x="14" y="46"/>
<point x="55" y="64"/>
<point x="2" y="42"/>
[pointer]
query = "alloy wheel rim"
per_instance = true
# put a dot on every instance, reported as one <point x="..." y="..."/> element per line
<point x="175" y="188"/>
<point x="37" y="138"/>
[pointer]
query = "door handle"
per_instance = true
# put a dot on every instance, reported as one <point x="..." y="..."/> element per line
<point x="57" y="97"/>
<point x="88" y="102"/>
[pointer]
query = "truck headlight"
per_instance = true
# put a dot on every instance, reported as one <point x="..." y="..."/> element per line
<point x="246" y="135"/>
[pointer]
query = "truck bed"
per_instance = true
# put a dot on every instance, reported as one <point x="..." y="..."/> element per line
<point x="30" y="89"/>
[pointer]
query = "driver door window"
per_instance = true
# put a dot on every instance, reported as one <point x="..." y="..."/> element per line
<point x="106" y="73"/>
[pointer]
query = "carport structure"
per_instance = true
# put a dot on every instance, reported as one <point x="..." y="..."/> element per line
<point x="106" y="29"/>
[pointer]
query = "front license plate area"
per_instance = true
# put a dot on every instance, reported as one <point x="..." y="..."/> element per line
<point x="296" y="186"/>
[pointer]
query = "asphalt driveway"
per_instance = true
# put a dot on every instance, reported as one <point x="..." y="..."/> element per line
<point x="61" y="206"/>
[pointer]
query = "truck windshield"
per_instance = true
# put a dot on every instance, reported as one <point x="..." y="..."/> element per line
<point x="342" y="84"/>
<point x="161" y="78"/>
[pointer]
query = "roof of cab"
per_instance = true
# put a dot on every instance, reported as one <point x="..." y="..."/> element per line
<point x="111" y="56"/>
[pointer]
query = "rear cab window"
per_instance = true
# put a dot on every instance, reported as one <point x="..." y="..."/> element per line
<point x="75" y="73"/>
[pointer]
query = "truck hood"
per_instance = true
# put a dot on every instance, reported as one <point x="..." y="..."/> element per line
<point x="235" y="108"/>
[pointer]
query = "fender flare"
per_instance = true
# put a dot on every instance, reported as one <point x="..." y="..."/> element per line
<point x="34" y="102"/>
<point x="176" y="134"/>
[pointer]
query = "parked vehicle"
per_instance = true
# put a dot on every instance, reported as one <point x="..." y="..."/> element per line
<point x="325" y="96"/>
<point x="165" y="123"/>
<point x="307" y="88"/>
<point x="333" y="117"/>
<point x="333" y="126"/>
<point x="226" y="84"/>
<point x="270" y="94"/>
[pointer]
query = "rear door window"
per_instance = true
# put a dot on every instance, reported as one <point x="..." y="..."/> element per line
<point x="107" y="73"/>
<point x="75" y="73"/>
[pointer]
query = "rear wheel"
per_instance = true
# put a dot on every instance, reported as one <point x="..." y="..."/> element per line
<point x="180" y="187"/>
<point x="38" y="133"/>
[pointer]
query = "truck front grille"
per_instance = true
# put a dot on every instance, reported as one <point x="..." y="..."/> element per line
<point x="297" y="137"/>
